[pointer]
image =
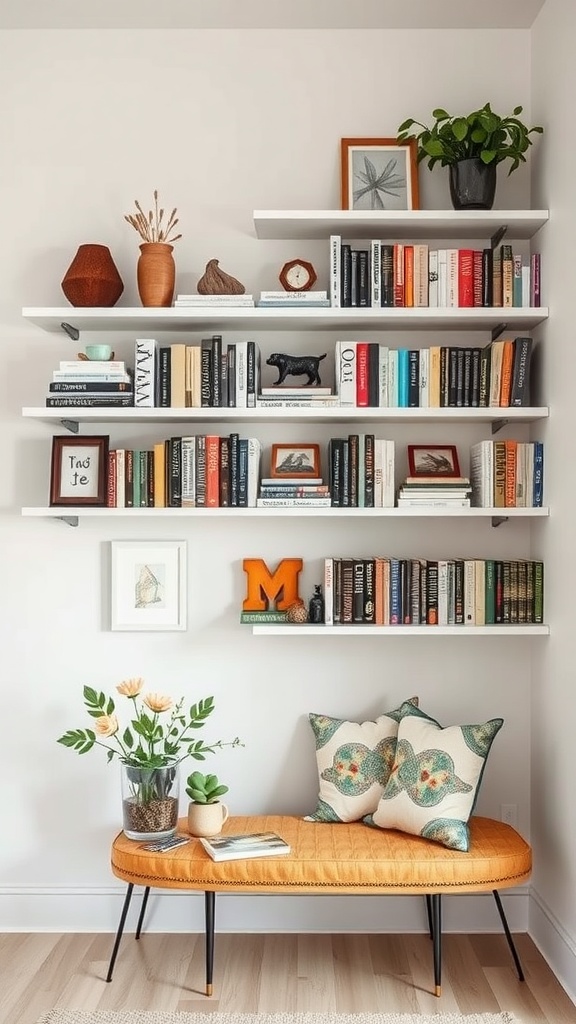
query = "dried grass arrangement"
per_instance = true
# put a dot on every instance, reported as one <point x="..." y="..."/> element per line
<point x="152" y="227"/>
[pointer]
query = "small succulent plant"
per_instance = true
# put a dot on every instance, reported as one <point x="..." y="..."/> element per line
<point x="204" y="789"/>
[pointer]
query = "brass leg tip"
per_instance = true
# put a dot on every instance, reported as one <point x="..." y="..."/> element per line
<point x="438" y="990"/>
<point x="208" y="990"/>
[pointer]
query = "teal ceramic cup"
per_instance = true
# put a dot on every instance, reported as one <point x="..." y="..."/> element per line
<point x="98" y="351"/>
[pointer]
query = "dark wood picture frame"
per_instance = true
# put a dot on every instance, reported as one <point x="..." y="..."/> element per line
<point x="301" y="461"/>
<point x="438" y="460"/>
<point x="408" y="197"/>
<point x="74" y="480"/>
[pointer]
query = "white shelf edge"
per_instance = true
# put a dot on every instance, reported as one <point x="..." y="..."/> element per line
<point x="58" y="512"/>
<point x="339" y="413"/>
<point x="424" y="318"/>
<point x="527" y="629"/>
<point x="318" y="224"/>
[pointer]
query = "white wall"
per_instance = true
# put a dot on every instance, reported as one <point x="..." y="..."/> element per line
<point x="553" y="908"/>
<point x="222" y="123"/>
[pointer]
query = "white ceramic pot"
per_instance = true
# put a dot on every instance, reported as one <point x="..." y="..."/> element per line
<point x="206" y="819"/>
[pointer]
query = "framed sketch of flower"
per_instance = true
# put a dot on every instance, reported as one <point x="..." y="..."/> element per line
<point x="379" y="174"/>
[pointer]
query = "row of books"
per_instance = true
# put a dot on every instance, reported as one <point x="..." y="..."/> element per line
<point x="91" y="382"/>
<point x="311" y="299"/>
<point x="186" y="472"/>
<point x="388" y="591"/>
<point x="405" y="275"/>
<point x="427" y="492"/>
<point x="193" y="376"/>
<point x="375" y="376"/>
<point x="361" y="471"/>
<point x="507" y="474"/>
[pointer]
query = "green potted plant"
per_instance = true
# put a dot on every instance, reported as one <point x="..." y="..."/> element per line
<point x="471" y="146"/>
<point x="150" y="748"/>
<point x="206" y="813"/>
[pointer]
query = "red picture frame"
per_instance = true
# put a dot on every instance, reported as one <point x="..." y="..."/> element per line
<point x="437" y="460"/>
<point x="297" y="461"/>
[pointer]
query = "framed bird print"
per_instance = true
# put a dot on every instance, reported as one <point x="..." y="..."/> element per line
<point x="379" y="174"/>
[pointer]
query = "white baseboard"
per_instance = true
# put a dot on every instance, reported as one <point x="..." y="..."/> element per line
<point x="555" y="944"/>
<point x="82" y="909"/>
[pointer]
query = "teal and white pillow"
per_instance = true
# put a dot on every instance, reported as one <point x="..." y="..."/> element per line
<point x="434" y="782"/>
<point x="354" y="761"/>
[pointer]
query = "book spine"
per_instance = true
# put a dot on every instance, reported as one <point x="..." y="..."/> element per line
<point x="335" y="270"/>
<point x="111" y="401"/>
<point x="375" y="274"/>
<point x="145" y="373"/>
<point x="108" y="386"/>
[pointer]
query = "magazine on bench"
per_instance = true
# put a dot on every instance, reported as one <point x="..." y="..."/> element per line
<point x="251" y="844"/>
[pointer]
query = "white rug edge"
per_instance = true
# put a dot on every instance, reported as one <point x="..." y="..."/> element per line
<point x="67" y="1016"/>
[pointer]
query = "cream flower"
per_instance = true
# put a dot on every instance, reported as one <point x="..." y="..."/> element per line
<point x="106" y="725"/>
<point x="130" y="687"/>
<point x="157" y="702"/>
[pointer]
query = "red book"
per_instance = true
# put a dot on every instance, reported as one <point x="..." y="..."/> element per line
<point x="465" y="277"/>
<point x="362" y="389"/>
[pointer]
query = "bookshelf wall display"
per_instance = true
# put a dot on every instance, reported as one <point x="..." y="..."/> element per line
<point x="447" y="225"/>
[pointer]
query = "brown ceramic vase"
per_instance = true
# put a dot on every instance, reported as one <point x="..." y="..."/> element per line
<point x="156" y="274"/>
<point x="92" y="279"/>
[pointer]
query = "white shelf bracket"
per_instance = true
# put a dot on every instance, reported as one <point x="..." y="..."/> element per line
<point x="72" y="332"/>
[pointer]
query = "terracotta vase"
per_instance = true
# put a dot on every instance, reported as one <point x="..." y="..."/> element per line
<point x="92" y="279"/>
<point x="156" y="274"/>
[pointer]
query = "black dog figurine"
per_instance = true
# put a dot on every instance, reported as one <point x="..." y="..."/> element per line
<point x="296" y="366"/>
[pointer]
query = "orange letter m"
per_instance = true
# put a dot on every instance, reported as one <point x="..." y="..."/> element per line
<point x="264" y="586"/>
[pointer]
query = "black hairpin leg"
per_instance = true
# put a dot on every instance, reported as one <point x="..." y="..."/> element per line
<point x="429" y="914"/>
<point x="209" y="909"/>
<point x="142" y="912"/>
<point x="437" y="940"/>
<point x="508" y="934"/>
<point x="127" y="899"/>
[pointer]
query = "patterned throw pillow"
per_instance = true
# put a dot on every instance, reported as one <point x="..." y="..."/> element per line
<point x="434" y="782"/>
<point x="354" y="762"/>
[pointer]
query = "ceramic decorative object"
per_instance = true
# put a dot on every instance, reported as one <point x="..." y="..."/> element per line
<point x="297" y="612"/>
<point x="156" y="274"/>
<point x="472" y="185"/>
<point x="92" y="279"/>
<point x="206" y="819"/>
<point x="215" y="282"/>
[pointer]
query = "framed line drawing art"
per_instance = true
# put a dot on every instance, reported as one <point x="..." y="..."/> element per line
<point x="300" y="461"/>
<point x="148" y="585"/>
<point x="78" y="470"/>
<point x="439" y="460"/>
<point x="379" y="174"/>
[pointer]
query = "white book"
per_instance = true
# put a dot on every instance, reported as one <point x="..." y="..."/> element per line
<point x="383" y="376"/>
<point x="295" y="392"/>
<point x="88" y="366"/>
<point x="442" y="277"/>
<point x="433" y="277"/>
<point x="393" y="378"/>
<point x="335" y="270"/>
<point x="214" y="300"/>
<point x="120" y="478"/>
<point x="389" y="475"/>
<point x="379" y="471"/>
<point x="329" y="402"/>
<point x="452" y="277"/>
<point x="254" y="455"/>
<point x="433" y="503"/>
<point x="309" y="296"/>
<point x="469" y="592"/>
<point x="293" y="502"/>
<point x="443" y="593"/>
<point x="241" y="374"/>
<point x="375" y="273"/>
<point x="188" y="457"/>
<point x="91" y="378"/>
<point x="479" y="592"/>
<point x="496" y="354"/>
<point x="329" y="591"/>
<point x="145" y="356"/>
<point x="421" y="275"/>
<point x="345" y="366"/>
<point x="251" y="844"/>
<point x="424" y="378"/>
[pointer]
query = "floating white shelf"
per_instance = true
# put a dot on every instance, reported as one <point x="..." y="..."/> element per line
<point x="287" y="629"/>
<point x="396" y="224"/>
<point x="287" y="414"/>
<point x="61" y="511"/>
<point x="423" y="318"/>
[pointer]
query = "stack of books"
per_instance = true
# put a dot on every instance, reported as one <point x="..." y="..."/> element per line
<point x="293" y="492"/>
<point x="297" y="396"/>
<point x="91" y="382"/>
<point x="307" y="300"/>
<point x="435" y="491"/>
<point x="212" y="301"/>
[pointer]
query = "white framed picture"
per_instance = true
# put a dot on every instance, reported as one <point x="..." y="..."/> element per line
<point x="148" y="585"/>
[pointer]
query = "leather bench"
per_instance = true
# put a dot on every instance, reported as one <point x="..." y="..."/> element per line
<point x="331" y="859"/>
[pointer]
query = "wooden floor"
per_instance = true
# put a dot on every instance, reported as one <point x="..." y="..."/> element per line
<point x="274" y="973"/>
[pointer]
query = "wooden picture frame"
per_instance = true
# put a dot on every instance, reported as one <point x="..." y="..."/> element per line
<point x="295" y="461"/>
<point x="79" y="470"/>
<point x="436" y="460"/>
<point x="148" y="587"/>
<point x="379" y="174"/>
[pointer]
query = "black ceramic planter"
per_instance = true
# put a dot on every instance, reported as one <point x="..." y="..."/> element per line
<point x="472" y="185"/>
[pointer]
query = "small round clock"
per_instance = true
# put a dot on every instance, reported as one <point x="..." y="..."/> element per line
<point x="297" y="276"/>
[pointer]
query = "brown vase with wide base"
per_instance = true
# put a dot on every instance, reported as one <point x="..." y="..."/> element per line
<point x="156" y="274"/>
<point x="92" y="279"/>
